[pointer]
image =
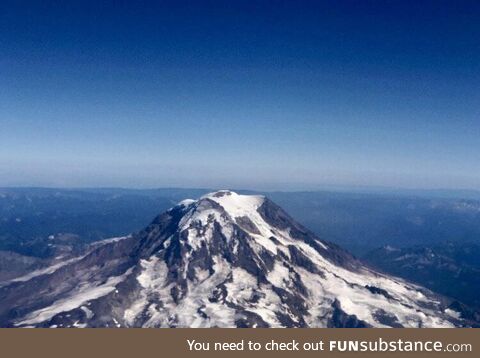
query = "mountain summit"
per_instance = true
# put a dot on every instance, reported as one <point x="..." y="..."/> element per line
<point x="224" y="260"/>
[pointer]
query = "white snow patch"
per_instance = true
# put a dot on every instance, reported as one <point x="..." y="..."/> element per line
<point x="109" y="241"/>
<point x="244" y="286"/>
<point x="453" y="313"/>
<point x="186" y="203"/>
<point x="80" y="296"/>
<point x="153" y="280"/>
<point x="279" y="276"/>
<point x="237" y="205"/>
<point x="88" y="312"/>
<point x="45" y="271"/>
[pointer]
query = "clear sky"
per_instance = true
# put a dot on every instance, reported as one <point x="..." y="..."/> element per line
<point x="252" y="94"/>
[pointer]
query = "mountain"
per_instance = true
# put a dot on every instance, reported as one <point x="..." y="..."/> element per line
<point x="450" y="268"/>
<point x="224" y="260"/>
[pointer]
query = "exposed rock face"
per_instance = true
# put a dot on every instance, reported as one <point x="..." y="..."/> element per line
<point x="224" y="260"/>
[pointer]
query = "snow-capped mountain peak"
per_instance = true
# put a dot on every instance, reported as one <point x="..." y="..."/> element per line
<point x="225" y="260"/>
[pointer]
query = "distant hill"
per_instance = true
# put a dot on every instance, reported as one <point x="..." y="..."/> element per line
<point x="452" y="269"/>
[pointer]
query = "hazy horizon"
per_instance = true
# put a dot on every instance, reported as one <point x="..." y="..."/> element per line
<point x="240" y="95"/>
<point x="458" y="193"/>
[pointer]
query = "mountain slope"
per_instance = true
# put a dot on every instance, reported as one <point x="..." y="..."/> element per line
<point x="224" y="260"/>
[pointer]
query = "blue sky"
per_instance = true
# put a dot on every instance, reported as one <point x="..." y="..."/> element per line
<point x="264" y="94"/>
